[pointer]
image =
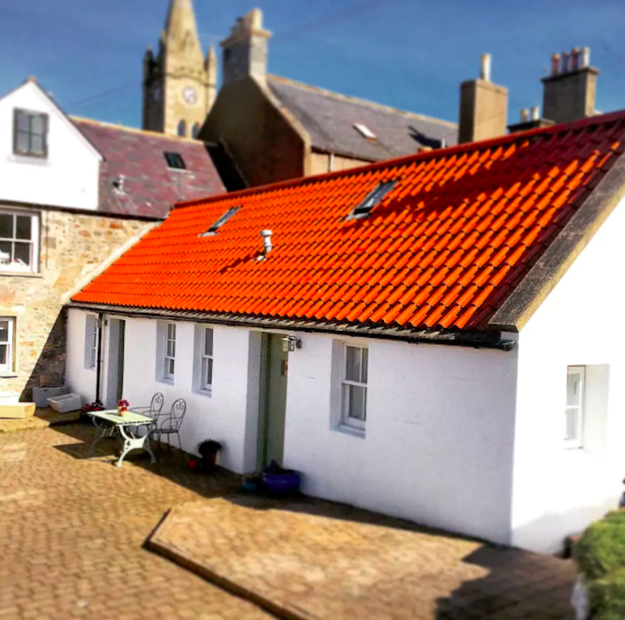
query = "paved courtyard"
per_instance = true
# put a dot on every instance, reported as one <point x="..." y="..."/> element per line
<point x="73" y="535"/>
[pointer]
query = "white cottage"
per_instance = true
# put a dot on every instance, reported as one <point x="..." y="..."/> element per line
<point x="435" y="338"/>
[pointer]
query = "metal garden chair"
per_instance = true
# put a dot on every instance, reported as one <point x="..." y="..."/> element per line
<point x="154" y="409"/>
<point x="169" y="425"/>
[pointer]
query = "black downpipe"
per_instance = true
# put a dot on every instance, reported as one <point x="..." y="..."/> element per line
<point x="98" y="369"/>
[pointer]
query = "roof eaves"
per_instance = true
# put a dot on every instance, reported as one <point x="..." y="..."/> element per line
<point x="516" y="311"/>
<point x="474" y="339"/>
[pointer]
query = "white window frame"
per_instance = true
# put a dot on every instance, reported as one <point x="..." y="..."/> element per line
<point x="91" y="341"/>
<point x="9" y="366"/>
<point x="577" y="410"/>
<point x="169" y="354"/>
<point x="206" y="361"/>
<point x="346" y="419"/>
<point x="12" y="266"/>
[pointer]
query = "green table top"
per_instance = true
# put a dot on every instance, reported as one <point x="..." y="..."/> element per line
<point x="130" y="419"/>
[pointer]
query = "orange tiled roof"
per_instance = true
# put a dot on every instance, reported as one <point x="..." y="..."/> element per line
<point x="443" y="250"/>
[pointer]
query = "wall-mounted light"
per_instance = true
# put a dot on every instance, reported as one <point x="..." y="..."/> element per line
<point x="290" y="343"/>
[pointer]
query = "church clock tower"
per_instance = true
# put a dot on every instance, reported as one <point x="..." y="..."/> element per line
<point x="179" y="84"/>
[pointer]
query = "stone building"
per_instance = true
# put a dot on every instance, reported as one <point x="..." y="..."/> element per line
<point x="269" y="127"/>
<point x="179" y="83"/>
<point x="74" y="194"/>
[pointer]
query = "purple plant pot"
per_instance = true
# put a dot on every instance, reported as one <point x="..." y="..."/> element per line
<point x="281" y="484"/>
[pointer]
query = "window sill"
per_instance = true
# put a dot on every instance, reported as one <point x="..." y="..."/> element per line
<point x="8" y="375"/>
<point x="37" y="160"/>
<point x="205" y="393"/>
<point x="165" y="381"/>
<point x="20" y="274"/>
<point x="351" y="430"/>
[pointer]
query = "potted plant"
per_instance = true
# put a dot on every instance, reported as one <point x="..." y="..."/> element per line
<point x="122" y="408"/>
<point x="96" y="405"/>
<point x="208" y="449"/>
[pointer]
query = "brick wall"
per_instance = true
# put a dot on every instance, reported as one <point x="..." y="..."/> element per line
<point x="72" y="246"/>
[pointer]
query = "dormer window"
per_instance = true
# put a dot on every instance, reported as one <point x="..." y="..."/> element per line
<point x="372" y="199"/>
<point x="175" y="161"/>
<point x="220" y="222"/>
<point x="30" y="133"/>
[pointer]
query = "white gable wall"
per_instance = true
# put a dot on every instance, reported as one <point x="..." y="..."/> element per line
<point x="439" y="433"/>
<point x="67" y="177"/>
<point x="557" y="492"/>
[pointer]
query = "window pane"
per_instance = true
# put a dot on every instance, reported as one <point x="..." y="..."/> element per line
<point x="23" y="228"/>
<point x="23" y="122"/>
<point x="209" y="378"/>
<point x="22" y="253"/>
<point x="36" y="145"/>
<point x="365" y="365"/>
<point x="170" y="349"/>
<point x="4" y="331"/>
<point x="352" y="368"/>
<point x="170" y="367"/>
<point x="5" y="253"/>
<point x="573" y="389"/>
<point x="23" y="142"/>
<point x="572" y="424"/>
<point x="37" y="124"/>
<point x="6" y="226"/>
<point x="208" y="341"/>
<point x="357" y="397"/>
<point x="3" y="354"/>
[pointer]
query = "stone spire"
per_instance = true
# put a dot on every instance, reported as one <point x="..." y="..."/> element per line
<point x="181" y="31"/>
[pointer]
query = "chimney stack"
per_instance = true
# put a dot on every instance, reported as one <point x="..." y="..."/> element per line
<point x="569" y="92"/>
<point x="483" y="107"/>
<point x="245" y="50"/>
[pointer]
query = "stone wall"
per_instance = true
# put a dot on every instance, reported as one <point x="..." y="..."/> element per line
<point x="73" y="245"/>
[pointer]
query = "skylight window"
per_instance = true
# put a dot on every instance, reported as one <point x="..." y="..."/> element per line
<point x="364" y="131"/>
<point x="220" y="222"/>
<point x="373" y="198"/>
<point x="175" y="161"/>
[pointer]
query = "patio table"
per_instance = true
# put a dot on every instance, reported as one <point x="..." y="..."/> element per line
<point x="120" y="426"/>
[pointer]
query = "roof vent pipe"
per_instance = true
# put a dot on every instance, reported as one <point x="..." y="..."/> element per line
<point x="267" y="246"/>
<point x="485" y="67"/>
<point x="535" y="113"/>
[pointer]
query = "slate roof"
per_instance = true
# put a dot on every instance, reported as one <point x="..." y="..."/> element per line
<point x="444" y="250"/>
<point x="150" y="187"/>
<point x="329" y="118"/>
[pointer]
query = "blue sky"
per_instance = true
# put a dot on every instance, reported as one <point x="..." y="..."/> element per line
<point x="411" y="54"/>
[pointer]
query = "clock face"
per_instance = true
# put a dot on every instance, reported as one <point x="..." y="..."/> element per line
<point x="189" y="95"/>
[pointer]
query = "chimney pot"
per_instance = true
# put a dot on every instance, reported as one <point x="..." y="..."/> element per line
<point x="485" y="67"/>
<point x="575" y="59"/>
<point x="584" y="58"/>
<point x="535" y="113"/>
<point x="555" y="64"/>
<point x="525" y="115"/>
<point x="565" y="62"/>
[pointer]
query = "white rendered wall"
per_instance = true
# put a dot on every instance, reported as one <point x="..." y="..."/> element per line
<point x="224" y="415"/>
<point x="79" y="379"/>
<point x="557" y="492"/>
<point x="438" y="443"/>
<point x="67" y="177"/>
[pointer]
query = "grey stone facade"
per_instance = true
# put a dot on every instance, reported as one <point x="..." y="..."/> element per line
<point x="72" y="245"/>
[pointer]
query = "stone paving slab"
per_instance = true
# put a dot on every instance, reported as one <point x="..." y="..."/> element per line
<point x="307" y="560"/>
<point x="73" y="532"/>
<point x="43" y="418"/>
